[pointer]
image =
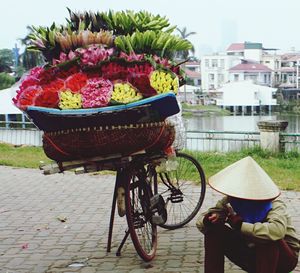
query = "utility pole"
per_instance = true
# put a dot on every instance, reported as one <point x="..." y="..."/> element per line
<point x="297" y="74"/>
<point x="15" y="51"/>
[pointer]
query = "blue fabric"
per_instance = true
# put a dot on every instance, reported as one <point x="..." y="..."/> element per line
<point x="251" y="211"/>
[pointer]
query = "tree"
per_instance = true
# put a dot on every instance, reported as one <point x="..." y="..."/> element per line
<point x="6" y="60"/>
<point x="6" y="80"/>
<point x="184" y="35"/>
<point x="30" y="58"/>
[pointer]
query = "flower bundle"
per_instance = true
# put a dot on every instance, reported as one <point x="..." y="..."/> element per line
<point x="114" y="58"/>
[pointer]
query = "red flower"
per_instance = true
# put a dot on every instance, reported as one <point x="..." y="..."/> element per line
<point x="65" y="73"/>
<point x="27" y="97"/>
<point x="76" y="82"/>
<point x="47" y="99"/>
<point x="54" y="86"/>
<point x="142" y="83"/>
<point x="47" y="75"/>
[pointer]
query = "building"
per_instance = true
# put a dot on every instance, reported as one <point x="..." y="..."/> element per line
<point x="251" y="70"/>
<point x="215" y="69"/>
<point x="289" y="70"/>
<point x="193" y="73"/>
<point x="188" y="93"/>
<point x="245" y="96"/>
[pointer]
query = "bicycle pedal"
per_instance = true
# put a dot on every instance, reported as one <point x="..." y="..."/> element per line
<point x="158" y="220"/>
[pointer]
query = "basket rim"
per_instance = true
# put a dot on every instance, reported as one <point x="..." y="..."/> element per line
<point x="86" y="111"/>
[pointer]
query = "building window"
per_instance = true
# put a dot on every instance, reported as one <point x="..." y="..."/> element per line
<point x="206" y="63"/>
<point x="211" y="77"/>
<point x="214" y="63"/>
<point x="265" y="78"/>
<point x="220" y="78"/>
<point x="236" y="77"/>
<point x="222" y="64"/>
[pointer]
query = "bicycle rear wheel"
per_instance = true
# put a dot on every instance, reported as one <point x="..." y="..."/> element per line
<point x="139" y="215"/>
<point x="182" y="200"/>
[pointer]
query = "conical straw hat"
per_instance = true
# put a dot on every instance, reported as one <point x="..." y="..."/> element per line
<point x="245" y="179"/>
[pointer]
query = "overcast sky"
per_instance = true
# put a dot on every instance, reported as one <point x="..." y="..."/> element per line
<point x="216" y="22"/>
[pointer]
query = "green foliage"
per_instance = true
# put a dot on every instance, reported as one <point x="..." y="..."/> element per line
<point x="284" y="168"/>
<point x="6" y="60"/>
<point x="138" y="32"/>
<point x="21" y="156"/>
<point x="6" y="80"/>
<point x="119" y="22"/>
<point x="150" y="42"/>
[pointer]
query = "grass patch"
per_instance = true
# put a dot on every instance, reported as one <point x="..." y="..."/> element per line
<point x="284" y="169"/>
<point x="204" y="109"/>
<point x="22" y="156"/>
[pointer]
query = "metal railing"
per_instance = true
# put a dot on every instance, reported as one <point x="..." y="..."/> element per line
<point x="290" y="141"/>
<point x="221" y="141"/>
<point x="25" y="133"/>
<point x="20" y="133"/>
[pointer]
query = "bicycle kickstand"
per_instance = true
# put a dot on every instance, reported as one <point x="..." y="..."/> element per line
<point x="118" y="253"/>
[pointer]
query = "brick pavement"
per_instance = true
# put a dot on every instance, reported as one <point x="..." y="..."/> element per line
<point x="34" y="240"/>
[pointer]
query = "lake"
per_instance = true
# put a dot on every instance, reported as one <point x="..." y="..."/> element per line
<point x="239" y="122"/>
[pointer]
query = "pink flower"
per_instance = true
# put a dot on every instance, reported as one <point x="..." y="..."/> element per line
<point x="132" y="57"/>
<point x="96" y="93"/>
<point x="93" y="55"/>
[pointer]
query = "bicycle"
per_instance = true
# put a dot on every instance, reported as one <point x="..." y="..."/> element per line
<point x="154" y="193"/>
<point x="156" y="198"/>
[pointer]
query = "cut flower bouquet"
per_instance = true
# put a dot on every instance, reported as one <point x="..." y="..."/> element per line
<point x="102" y="59"/>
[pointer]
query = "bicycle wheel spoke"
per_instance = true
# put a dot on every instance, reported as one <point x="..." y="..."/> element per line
<point x="175" y="187"/>
<point x="143" y="233"/>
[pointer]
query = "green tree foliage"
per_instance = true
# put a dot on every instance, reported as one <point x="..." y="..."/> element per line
<point x="6" y="80"/>
<point x="184" y="34"/>
<point x="6" y="60"/>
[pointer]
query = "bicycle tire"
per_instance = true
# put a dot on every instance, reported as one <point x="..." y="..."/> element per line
<point x="182" y="205"/>
<point x="137" y="201"/>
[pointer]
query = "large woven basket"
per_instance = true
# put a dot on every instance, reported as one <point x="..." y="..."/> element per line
<point x="121" y="140"/>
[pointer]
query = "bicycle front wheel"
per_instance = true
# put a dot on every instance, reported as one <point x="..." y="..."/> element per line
<point x="177" y="187"/>
<point x="139" y="215"/>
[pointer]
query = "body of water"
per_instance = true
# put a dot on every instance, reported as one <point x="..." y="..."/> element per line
<point x="239" y="122"/>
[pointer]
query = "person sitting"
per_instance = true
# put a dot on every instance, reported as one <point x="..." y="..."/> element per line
<point x="250" y="225"/>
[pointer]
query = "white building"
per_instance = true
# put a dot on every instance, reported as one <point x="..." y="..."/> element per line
<point x="251" y="70"/>
<point x="214" y="70"/>
<point x="188" y="93"/>
<point x="192" y="71"/>
<point x="246" y="94"/>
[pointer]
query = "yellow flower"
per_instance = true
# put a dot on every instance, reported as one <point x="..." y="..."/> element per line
<point x="125" y="93"/>
<point x="164" y="82"/>
<point x="69" y="100"/>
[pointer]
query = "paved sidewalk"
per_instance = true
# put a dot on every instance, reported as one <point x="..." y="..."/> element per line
<point x="34" y="238"/>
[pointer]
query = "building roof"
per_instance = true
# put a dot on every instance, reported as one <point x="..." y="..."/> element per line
<point x="236" y="47"/>
<point x="290" y="57"/>
<point x="192" y="63"/>
<point x="288" y="69"/>
<point x="250" y="67"/>
<point x="192" y="74"/>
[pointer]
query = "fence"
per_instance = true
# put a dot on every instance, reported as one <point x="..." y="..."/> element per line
<point x="290" y="141"/>
<point x="19" y="133"/>
<point x="221" y="141"/>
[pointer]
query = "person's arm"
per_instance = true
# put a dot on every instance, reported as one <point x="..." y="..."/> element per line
<point x="275" y="226"/>
<point x="214" y="215"/>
